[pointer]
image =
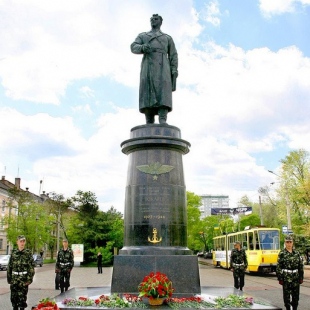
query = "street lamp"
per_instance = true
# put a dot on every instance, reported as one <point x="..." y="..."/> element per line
<point x="288" y="212"/>
<point x="37" y="218"/>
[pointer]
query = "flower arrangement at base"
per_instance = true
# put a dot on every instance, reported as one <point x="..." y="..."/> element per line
<point x="155" y="285"/>
<point x="199" y="302"/>
<point x="46" y="304"/>
<point x="106" y="301"/>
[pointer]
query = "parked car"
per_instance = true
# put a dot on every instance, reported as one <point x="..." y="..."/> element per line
<point x="4" y="260"/>
<point x="38" y="259"/>
<point x="200" y="254"/>
<point x="207" y="255"/>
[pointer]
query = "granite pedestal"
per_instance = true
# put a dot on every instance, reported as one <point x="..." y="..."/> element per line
<point x="155" y="220"/>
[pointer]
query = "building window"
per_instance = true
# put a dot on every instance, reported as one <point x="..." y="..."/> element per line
<point x="3" y="205"/>
<point x="1" y="244"/>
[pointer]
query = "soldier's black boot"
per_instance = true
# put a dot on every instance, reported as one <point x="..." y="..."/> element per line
<point x="15" y="308"/>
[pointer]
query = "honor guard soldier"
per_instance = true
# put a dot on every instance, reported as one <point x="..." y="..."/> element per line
<point x="64" y="265"/>
<point x="238" y="264"/>
<point x="20" y="274"/>
<point x="290" y="273"/>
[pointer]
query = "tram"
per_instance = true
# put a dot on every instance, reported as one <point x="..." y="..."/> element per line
<point x="261" y="244"/>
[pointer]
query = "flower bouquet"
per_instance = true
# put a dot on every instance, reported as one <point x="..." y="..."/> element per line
<point x="46" y="304"/>
<point x="156" y="286"/>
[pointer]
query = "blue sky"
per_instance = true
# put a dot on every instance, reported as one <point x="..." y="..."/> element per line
<point x="69" y="91"/>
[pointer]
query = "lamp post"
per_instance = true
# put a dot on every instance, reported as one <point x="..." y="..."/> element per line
<point x="35" y="245"/>
<point x="288" y="212"/>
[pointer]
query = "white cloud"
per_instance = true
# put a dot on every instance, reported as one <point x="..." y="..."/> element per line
<point x="44" y="46"/>
<point x="273" y="7"/>
<point x="83" y="108"/>
<point x="87" y="91"/>
<point x="230" y="103"/>
<point x="211" y="13"/>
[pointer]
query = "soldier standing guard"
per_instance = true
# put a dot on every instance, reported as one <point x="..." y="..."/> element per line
<point x="238" y="264"/>
<point x="20" y="274"/>
<point x="290" y="273"/>
<point x="64" y="265"/>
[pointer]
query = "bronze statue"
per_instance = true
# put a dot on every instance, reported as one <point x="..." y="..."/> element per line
<point x="159" y="71"/>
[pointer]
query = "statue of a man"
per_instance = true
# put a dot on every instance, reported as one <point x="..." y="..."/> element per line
<point x="159" y="71"/>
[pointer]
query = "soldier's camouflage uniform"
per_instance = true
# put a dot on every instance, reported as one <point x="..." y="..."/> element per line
<point x="20" y="274"/>
<point x="290" y="271"/>
<point x="64" y="265"/>
<point x="239" y="263"/>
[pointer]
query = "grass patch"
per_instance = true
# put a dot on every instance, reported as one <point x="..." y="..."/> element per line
<point x="49" y="261"/>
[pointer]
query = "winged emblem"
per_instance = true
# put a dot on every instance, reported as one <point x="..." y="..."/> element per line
<point x="155" y="169"/>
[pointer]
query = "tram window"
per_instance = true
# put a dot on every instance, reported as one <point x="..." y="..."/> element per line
<point x="269" y="239"/>
<point x="243" y="240"/>
<point x="256" y="243"/>
<point x="251" y="241"/>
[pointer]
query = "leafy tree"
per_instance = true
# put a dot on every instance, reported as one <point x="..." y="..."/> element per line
<point x="85" y="203"/>
<point x="94" y="228"/>
<point x="27" y="217"/>
<point x="57" y="206"/>
<point x="295" y="188"/>
<point x="249" y="220"/>
<point x="194" y="224"/>
<point x="107" y="256"/>
<point x="210" y="230"/>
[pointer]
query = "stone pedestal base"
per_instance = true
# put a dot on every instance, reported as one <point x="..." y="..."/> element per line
<point x="129" y="271"/>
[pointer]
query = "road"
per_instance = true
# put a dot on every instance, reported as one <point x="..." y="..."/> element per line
<point x="265" y="287"/>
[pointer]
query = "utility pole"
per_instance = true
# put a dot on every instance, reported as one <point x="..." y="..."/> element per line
<point x="58" y="229"/>
<point x="261" y="211"/>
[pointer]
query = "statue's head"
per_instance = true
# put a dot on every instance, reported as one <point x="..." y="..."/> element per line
<point x="156" y="18"/>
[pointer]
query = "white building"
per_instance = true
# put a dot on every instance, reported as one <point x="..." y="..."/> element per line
<point x="212" y="201"/>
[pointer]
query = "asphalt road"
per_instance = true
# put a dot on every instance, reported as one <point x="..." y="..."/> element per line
<point x="264" y="287"/>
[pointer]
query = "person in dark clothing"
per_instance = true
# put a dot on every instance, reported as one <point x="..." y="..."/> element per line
<point x="290" y="273"/>
<point x="64" y="265"/>
<point x="307" y="254"/>
<point x="99" y="262"/>
<point x="238" y="265"/>
<point x="20" y="274"/>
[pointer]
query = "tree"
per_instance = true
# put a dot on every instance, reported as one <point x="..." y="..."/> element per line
<point x="57" y="206"/>
<point x="194" y="224"/>
<point x="27" y="217"/>
<point x="102" y="230"/>
<point x="85" y="203"/>
<point x="294" y="188"/>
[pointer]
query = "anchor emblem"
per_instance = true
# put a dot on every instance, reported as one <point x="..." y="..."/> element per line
<point x="154" y="238"/>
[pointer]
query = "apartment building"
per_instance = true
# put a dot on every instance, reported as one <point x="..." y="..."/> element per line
<point x="5" y="211"/>
<point x="212" y="201"/>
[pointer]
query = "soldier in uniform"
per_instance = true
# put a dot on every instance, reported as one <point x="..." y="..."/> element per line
<point x="64" y="265"/>
<point x="159" y="71"/>
<point x="290" y="273"/>
<point x="20" y="274"/>
<point x="238" y="265"/>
